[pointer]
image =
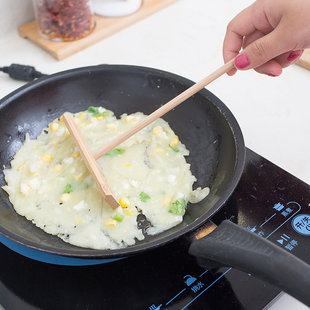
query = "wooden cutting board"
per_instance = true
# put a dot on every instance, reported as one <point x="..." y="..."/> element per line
<point x="304" y="60"/>
<point x="105" y="26"/>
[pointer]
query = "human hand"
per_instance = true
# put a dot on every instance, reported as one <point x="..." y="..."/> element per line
<point x="272" y="34"/>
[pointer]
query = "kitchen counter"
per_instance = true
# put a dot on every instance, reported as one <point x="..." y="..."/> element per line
<point x="186" y="39"/>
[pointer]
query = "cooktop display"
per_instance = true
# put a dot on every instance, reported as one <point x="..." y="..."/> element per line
<point x="268" y="201"/>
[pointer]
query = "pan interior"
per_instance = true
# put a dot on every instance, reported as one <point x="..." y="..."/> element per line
<point x="203" y="123"/>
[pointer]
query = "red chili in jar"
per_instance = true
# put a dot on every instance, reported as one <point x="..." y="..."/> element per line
<point x="64" y="20"/>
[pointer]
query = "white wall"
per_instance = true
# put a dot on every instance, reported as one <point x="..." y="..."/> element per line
<point x="14" y="13"/>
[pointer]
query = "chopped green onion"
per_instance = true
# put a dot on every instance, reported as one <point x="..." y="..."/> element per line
<point x="92" y="110"/>
<point x="144" y="196"/>
<point x="174" y="148"/>
<point x="68" y="189"/>
<point x="115" y="152"/>
<point x="95" y="112"/>
<point x="118" y="217"/>
<point x="177" y="207"/>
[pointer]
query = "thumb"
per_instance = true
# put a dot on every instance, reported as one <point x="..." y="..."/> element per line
<point x="261" y="51"/>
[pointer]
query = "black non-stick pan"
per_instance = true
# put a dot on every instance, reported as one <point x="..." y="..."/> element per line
<point x="203" y="123"/>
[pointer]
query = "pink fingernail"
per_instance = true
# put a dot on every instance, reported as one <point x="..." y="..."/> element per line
<point x="271" y="74"/>
<point x="293" y="56"/>
<point x="241" y="61"/>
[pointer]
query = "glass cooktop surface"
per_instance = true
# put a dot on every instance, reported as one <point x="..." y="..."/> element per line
<point x="268" y="201"/>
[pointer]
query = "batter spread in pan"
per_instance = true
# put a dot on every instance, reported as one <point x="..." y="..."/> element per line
<point x="50" y="185"/>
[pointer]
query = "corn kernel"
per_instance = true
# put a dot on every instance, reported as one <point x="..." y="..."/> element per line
<point x="54" y="126"/>
<point x="33" y="174"/>
<point x="128" y="165"/>
<point x="156" y="130"/>
<point x="65" y="197"/>
<point x="58" y="167"/>
<point x="47" y="158"/>
<point x="110" y="222"/>
<point x="61" y="119"/>
<point x="77" y="177"/>
<point x="129" y="118"/>
<point x="110" y="126"/>
<point x="79" y="221"/>
<point x="100" y="118"/>
<point x="134" y="122"/>
<point x="129" y="212"/>
<point x="82" y="115"/>
<point x="124" y="202"/>
<point x="159" y="150"/>
<point x="174" y="141"/>
<point x="76" y="154"/>
<point x="167" y="200"/>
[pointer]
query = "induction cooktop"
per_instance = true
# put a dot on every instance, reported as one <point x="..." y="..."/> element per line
<point x="267" y="201"/>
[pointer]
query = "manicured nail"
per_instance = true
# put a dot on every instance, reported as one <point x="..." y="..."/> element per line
<point x="271" y="74"/>
<point x="293" y="56"/>
<point x="241" y="61"/>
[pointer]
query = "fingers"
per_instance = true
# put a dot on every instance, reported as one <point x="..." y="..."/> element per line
<point x="260" y="51"/>
<point x="270" y="68"/>
<point x="264" y="58"/>
<point x="242" y="31"/>
<point x="274" y="67"/>
<point x="289" y="58"/>
<point x="245" y="42"/>
<point x="235" y="33"/>
<point x="252" y="37"/>
<point x="272" y="34"/>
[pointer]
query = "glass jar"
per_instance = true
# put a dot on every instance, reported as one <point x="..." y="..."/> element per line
<point x="64" y="20"/>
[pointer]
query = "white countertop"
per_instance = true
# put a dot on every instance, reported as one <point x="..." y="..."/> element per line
<point x="186" y="39"/>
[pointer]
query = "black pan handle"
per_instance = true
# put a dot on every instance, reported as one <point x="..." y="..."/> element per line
<point x="231" y="245"/>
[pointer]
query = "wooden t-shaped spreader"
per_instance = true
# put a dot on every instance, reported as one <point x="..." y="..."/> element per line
<point x="90" y="159"/>
<point x="90" y="162"/>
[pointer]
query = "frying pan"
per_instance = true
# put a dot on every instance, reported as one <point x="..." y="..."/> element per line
<point x="203" y="123"/>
